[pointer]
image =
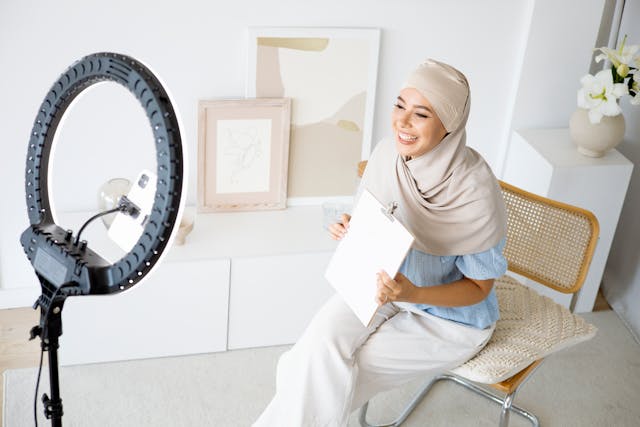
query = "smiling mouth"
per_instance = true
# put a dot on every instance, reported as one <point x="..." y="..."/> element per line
<point x="406" y="138"/>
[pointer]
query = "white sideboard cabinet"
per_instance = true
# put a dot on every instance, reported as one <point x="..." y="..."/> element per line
<point x="243" y="279"/>
<point x="546" y="162"/>
<point x="180" y="309"/>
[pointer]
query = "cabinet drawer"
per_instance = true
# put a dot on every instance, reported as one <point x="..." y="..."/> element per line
<point x="274" y="298"/>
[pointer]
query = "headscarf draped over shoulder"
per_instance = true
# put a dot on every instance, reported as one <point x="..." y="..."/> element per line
<point x="448" y="198"/>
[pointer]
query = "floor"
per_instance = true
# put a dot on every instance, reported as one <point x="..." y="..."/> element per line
<point x="16" y="351"/>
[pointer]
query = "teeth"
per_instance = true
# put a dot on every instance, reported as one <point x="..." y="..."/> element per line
<point x="405" y="137"/>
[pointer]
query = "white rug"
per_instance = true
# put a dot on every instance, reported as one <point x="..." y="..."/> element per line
<point x="592" y="384"/>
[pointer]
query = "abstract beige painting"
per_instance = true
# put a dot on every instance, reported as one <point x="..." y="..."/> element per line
<point x="330" y="76"/>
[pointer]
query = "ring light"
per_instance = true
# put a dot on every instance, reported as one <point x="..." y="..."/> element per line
<point x="64" y="265"/>
<point x="91" y="272"/>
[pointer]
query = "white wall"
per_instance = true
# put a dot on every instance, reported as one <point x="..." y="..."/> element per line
<point x="558" y="52"/>
<point x="199" y="50"/>
<point x="621" y="282"/>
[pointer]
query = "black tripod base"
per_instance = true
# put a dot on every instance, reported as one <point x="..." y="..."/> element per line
<point x="49" y="330"/>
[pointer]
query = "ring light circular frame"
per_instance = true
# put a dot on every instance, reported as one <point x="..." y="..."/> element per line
<point x="167" y="206"/>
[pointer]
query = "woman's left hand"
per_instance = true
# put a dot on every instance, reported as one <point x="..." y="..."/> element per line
<point x="398" y="289"/>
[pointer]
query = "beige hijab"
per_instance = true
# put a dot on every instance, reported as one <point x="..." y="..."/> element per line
<point x="448" y="198"/>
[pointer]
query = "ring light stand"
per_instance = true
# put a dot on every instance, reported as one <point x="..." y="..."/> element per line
<point x="64" y="265"/>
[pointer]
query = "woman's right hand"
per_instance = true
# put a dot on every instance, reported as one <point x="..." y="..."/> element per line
<point x="338" y="229"/>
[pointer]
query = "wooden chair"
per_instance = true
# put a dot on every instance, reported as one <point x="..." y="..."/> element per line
<point x="551" y="243"/>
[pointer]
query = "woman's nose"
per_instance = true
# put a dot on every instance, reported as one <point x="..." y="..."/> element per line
<point x="402" y="119"/>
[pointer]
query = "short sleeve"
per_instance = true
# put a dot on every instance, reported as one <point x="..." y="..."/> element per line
<point x="489" y="264"/>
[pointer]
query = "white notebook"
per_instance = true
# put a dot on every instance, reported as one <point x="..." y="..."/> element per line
<point x="374" y="241"/>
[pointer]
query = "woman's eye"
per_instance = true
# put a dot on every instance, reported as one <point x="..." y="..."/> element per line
<point x="398" y="106"/>
<point x="422" y="116"/>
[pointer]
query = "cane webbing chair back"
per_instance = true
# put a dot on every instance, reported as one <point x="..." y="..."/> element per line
<point x="549" y="242"/>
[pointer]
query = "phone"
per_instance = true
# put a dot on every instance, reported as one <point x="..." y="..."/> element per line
<point x="126" y="229"/>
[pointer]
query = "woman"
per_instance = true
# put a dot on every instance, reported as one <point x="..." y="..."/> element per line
<point x="440" y="309"/>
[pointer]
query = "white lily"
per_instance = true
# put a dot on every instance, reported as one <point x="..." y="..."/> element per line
<point x="623" y="55"/>
<point x="623" y="70"/>
<point x="600" y="95"/>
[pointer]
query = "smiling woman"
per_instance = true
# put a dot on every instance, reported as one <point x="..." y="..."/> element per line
<point x="441" y="309"/>
<point x="417" y="128"/>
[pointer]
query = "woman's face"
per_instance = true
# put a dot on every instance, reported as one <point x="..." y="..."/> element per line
<point x="416" y="127"/>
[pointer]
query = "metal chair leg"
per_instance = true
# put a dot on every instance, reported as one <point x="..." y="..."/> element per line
<point x="506" y="403"/>
<point x="405" y="413"/>
<point x="506" y="406"/>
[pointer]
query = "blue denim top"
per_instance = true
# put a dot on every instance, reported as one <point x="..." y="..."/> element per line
<point x="427" y="270"/>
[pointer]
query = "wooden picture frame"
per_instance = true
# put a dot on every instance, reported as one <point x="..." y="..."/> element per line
<point x="243" y="154"/>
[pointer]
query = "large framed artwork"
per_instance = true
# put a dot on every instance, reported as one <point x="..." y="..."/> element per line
<point x="330" y="75"/>
<point x="243" y="151"/>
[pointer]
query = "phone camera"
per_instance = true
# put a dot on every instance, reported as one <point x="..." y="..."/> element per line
<point x="142" y="182"/>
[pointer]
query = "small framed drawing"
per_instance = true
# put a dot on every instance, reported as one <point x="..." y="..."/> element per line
<point x="243" y="154"/>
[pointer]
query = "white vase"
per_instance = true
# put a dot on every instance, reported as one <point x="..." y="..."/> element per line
<point x="594" y="140"/>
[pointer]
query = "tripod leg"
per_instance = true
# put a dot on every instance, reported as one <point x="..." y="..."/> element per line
<point x="51" y="331"/>
<point x="53" y="405"/>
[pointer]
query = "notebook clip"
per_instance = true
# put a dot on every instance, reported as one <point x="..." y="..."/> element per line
<point x="389" y="210"/>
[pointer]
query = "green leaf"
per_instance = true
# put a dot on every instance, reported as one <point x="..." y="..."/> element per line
<point x="616" y="76"/>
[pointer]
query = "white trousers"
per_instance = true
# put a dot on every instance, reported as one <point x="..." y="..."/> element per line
<point x="338" y="364"/>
